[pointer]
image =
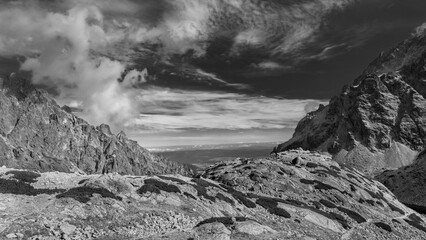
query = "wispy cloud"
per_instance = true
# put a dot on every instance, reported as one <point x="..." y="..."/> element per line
<point x="165" y="109"/>
<point x="270" y="65"/>
<point x="281" y="27"/>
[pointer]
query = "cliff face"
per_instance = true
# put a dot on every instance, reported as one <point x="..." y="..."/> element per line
<point x="407" y="183"/>
<point x="380" y="120"/>
<point x="37" y="134"/>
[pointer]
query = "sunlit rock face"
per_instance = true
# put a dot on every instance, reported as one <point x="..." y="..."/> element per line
<point x="265" y="198"/>
<point x="378" y="121"/>
<point x="36" y="133"/>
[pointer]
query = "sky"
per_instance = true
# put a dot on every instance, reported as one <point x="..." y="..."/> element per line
<point x="176" y="72"/>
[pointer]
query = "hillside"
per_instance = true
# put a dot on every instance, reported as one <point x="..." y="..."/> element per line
<point x="37" y="134"/>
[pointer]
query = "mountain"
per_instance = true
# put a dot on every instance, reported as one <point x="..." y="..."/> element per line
<point x="377" y="122"/>
<point x="265" y="198"/>
<point x="37" y="134"/>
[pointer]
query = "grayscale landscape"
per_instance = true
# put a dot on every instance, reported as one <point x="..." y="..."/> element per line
<point x="212" y="119"/>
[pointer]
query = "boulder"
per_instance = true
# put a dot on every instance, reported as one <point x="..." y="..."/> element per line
<point x="213" y="231"/>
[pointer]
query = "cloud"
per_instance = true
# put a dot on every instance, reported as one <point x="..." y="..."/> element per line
<point x="135" y="78"/>
<point x="80" y="48"/>
<point x="182" y="27"/>
<point x="281" y="28"/>
<point x="250" y="37"/>
<point x="58" y="49"/>
<point x="122" y="7"/>
<point x="269" y="65"/>
<point x="313" y="106"/>
<point x="165" y="109"/>
<point x="420" y="30"/>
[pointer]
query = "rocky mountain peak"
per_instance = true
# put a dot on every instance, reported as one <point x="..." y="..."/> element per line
<point x="121" y="136"/>
<point x="379" y="120"/>
<point x="37" y="134"/>
<point x="105" y="129"/>
<point x="16" y="86"/>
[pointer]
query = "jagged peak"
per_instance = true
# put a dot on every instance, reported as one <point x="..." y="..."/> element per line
<point x="122" y="136"/>
<point x="16" y="85"/>
<point x="385" y="104"/>
<point x="105" y="129"/>
<point x="38" y="134"/>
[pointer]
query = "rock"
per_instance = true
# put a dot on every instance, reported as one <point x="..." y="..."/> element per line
<point x="67" y="228"/>
<point x="67" y="109"/>
<point x="308" y="238"/>
<point x="11" y="235"/>
<point x="324" y="222"/>
<point x="252" y="228"/>
<point x="213" y="231"/>
<point x="296" y="161"/>
<point x="37" y="134"/>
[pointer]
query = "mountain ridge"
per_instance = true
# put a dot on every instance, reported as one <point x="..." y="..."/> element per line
<point x="37" y="134"/>
<point x="378" y="121"/>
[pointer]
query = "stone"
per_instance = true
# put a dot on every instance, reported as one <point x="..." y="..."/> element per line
<point x="323" y="222"/>
<point x="252" y="228"/>
<point x="308" y="238"/>
<point x="11" y="235"/>
<point x="67" y="228"/>
<point x="213" y="231"/>
<point x="296" y="161"/>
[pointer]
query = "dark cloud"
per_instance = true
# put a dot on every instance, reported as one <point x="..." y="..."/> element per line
<point x="230" y="64"/>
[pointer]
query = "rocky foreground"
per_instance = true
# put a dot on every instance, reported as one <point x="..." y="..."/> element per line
<point x="298" y="195"/>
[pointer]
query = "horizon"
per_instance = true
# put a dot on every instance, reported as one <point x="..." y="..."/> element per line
<point x="216" y="138"/>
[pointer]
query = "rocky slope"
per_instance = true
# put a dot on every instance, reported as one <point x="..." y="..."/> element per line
<point x="299" y="195"/>
<point x="380" y="120"/>
<point x="407" y="183"/>
<point x="37" y="134"/>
